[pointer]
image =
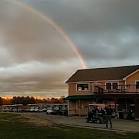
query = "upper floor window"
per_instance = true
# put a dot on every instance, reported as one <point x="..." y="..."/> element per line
<point x="115" y="85"/>
<point x="137" y="84"/>
<point x="110" y="86"/>
<point x="82" y="87"/>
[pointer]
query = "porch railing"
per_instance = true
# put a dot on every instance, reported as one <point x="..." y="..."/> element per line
<point x="131" y="88"/>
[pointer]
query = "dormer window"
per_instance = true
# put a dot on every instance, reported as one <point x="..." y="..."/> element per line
<point x="82" y="87"/>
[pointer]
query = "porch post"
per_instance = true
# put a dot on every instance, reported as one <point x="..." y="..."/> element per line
<point x="68" y="107"/>
<point x="79" y="108"/>
<point x="137" y="109"/>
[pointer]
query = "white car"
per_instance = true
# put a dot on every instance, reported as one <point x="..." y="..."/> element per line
<point x="36" y="109"/>
<point x="49" y="111"/>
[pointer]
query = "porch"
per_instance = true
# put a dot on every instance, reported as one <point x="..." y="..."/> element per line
<point x="115" y="88"/>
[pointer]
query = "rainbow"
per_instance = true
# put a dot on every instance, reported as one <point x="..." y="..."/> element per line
<point x="55" y="26"/>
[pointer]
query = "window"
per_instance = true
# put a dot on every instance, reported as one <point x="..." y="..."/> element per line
<point x="137" y="84"/>
<point x="115" y="86"/>
<point x="82" y="87"/>
<point x="108" y="86"/>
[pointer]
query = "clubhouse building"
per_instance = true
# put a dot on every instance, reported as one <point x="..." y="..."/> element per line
<point x="116" y="86"/>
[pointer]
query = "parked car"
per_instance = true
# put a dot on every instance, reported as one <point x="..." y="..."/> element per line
<point x="49" y="111"/>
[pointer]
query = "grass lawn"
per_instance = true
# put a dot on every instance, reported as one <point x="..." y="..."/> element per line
<point x="13" y="127"/>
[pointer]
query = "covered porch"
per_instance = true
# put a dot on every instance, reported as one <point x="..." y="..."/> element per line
<point x="78" y="105"/>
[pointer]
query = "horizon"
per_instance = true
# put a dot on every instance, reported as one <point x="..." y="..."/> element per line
<point x="36" y="97"/>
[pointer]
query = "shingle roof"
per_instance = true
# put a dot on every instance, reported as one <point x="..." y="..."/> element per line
<point x="111" y="73"/>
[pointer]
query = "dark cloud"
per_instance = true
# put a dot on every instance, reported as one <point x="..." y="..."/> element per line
<point x="91" y="16"/>
<point x="104" y="30"/>
<point x="35" y="77"/>
<point x="27" y="36"/>
<point x="36" y="59"/>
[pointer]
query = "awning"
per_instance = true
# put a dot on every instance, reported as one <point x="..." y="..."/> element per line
<point x="81" y="97"/>
<point x="102" y="96"/>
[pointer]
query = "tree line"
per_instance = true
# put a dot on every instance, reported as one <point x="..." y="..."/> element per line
<point x="29" y="100"/>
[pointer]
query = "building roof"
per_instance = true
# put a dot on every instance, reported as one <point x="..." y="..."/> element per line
<point x="97" y="74"/>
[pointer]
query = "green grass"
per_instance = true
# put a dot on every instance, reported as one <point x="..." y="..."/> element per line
<point x="11" y="127"/>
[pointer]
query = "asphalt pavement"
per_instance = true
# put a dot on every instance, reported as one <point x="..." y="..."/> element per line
<point x="118" y="125"/>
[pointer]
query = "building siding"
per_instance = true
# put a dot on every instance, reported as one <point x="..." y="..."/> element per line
<point x="80" y="107"/>
<point x="72" y="89"/>
<point x="131" y="80"/>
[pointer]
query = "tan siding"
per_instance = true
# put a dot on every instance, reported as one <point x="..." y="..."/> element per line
<point x="72" y="89"/>
<point x="79" y="107"/>
<point x="131" y="80"/>
<point x="121" y="82"/>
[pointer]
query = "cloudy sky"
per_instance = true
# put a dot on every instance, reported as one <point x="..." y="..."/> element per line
<point x="36" y="56"/>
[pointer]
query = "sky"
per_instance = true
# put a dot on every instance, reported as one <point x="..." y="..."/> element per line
<point x="36" y="56"/>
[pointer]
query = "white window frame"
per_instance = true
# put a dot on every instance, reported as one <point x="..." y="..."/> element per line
<point x="136" y="84"/>
<point x="82" y="90"/>
<point x="111" y="82"/>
